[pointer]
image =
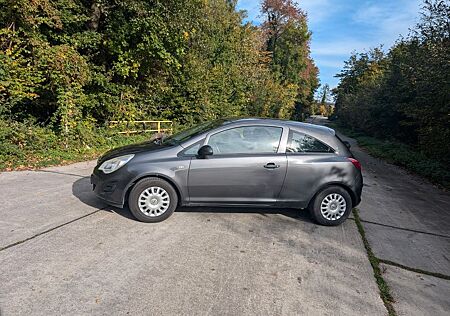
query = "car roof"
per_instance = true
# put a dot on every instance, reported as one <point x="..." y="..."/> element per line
<point x="319" y="129"/>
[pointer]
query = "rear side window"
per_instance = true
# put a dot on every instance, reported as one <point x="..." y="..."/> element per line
<point x="302" y="143"/>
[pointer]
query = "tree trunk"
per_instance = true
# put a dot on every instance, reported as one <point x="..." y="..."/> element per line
<point x="96" y="13"/>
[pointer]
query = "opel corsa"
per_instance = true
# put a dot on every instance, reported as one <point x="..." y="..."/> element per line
<point x="234" y="162"/>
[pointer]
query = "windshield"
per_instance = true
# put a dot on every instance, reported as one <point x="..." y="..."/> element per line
<point x="191" y="132"/>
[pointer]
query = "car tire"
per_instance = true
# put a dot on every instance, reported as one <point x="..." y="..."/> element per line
<point x="152" y="200"/>
<point x="331" y="206"/>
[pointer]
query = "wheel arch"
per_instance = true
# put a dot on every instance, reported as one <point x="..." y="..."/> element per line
<point x="339" y="184"/>
<point x="152" y="175"/>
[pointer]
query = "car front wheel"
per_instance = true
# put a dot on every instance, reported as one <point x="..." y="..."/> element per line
<point x="331" y="206"/>
<point x="152" y="200"/>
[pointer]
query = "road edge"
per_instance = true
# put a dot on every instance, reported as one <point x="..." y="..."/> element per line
<point x="383" y="287"/>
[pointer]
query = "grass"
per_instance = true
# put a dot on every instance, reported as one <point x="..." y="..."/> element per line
<point x="401" y="155"/>
<point x="383" y="287"/>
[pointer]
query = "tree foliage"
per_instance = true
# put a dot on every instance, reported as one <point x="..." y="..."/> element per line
<point x="71" y="64"/>
<point x="404" y="93"/>
<point x="288" y="40"/>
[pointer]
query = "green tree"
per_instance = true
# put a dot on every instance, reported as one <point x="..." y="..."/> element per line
<point x="288" y="40"/>
<point x="325" y="94"/>
<point x="403" y="94"/>
<point x="75" y="64"/>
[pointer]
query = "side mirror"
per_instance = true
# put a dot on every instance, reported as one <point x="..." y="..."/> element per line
<point x="204" y="151"/>
<point x="346" y="143"/>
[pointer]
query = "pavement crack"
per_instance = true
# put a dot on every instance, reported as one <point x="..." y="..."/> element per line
<point x="63" y="173"/>
<point x="405" y="229"/>
<point x="399" y="265"/>
<point x="49" y="230"/>
<point x="383" y="287"/>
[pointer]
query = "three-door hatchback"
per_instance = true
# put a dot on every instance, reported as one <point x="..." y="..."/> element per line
<point x="234" y="162"/>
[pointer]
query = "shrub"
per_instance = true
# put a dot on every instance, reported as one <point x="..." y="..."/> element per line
<point x="24" y="145"/>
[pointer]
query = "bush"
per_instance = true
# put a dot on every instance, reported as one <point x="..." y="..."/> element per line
<point x="403" y="93"/>
<point x="401" y="155"/>
<point x="26" y="145"/>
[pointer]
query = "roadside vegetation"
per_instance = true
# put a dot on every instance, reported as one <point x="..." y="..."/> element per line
<point x="400" y="154"/>
<point x="67" y="67"/>
<point x="398" y="101"/>
<point x="24" y="146"/>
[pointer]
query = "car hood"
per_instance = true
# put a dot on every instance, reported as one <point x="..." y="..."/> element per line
<point x="132" y="149"/>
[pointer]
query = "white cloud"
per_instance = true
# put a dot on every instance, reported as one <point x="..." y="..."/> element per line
<point x="340" y="47"/>
<point x="330" y="63"/>
<point x="369" y="14"/>
<point x="318" y="10"/>
<point x="389" y="20"/>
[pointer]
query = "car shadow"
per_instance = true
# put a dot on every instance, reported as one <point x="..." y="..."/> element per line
<point x="264" y="211"/>
<point x="82" y="190"/>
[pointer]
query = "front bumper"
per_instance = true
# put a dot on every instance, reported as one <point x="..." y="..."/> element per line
<point x="110" y="189"/>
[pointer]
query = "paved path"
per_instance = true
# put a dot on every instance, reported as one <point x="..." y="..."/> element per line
<point x="407" y="222"/>
<point x="64" y="252"/>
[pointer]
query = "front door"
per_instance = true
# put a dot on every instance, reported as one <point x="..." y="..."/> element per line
<point x="245" y="168"/>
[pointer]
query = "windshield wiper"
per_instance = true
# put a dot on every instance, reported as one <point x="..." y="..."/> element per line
<point x="157" y="139"/>
<point x="164" y="139"/>
<point x="169" y="141"/>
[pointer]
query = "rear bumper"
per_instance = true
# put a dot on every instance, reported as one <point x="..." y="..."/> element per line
<point x="358" y="190"/>
<point x="357" y="200"/>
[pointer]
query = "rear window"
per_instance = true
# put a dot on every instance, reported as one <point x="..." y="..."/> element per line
<point x="303" y="143"/>
<point x="345" y="147"/>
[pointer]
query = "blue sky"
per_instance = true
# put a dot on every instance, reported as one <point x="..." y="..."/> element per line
<point x="342" y="26"/>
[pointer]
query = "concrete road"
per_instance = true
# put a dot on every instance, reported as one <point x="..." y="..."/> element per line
<point x="406" y="220"/>
<point x="64" y="252"/>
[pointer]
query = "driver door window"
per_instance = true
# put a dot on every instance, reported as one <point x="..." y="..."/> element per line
<point x="246" y="140"/>
<point x="236" y="171"/>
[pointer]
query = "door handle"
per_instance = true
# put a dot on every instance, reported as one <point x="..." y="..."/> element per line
<point x="271" y="165"/>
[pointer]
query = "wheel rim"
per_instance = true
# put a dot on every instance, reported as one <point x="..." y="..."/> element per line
<point x="333" y="206"/>
<point x="154" y="201"/>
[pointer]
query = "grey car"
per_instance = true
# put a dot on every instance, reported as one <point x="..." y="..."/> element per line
<point x="234" y="162"/>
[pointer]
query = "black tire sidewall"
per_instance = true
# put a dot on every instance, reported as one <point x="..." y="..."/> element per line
<point x="141" y="186"/>
<point x="315" y="206"/>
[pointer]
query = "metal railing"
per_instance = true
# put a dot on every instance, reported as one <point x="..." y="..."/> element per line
<point x="131" y="127"/>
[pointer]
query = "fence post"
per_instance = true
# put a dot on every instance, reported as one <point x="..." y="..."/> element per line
<point x="159" y="127"/>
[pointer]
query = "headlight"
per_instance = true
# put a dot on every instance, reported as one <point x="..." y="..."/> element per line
<point x="114" y="164"/>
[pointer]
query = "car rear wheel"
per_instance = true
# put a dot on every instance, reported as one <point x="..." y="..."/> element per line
<point x="331" y="206"/>
<point x="152" y="200"/>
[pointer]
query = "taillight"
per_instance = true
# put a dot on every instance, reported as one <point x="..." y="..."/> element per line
<point x="355" y="162"/>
